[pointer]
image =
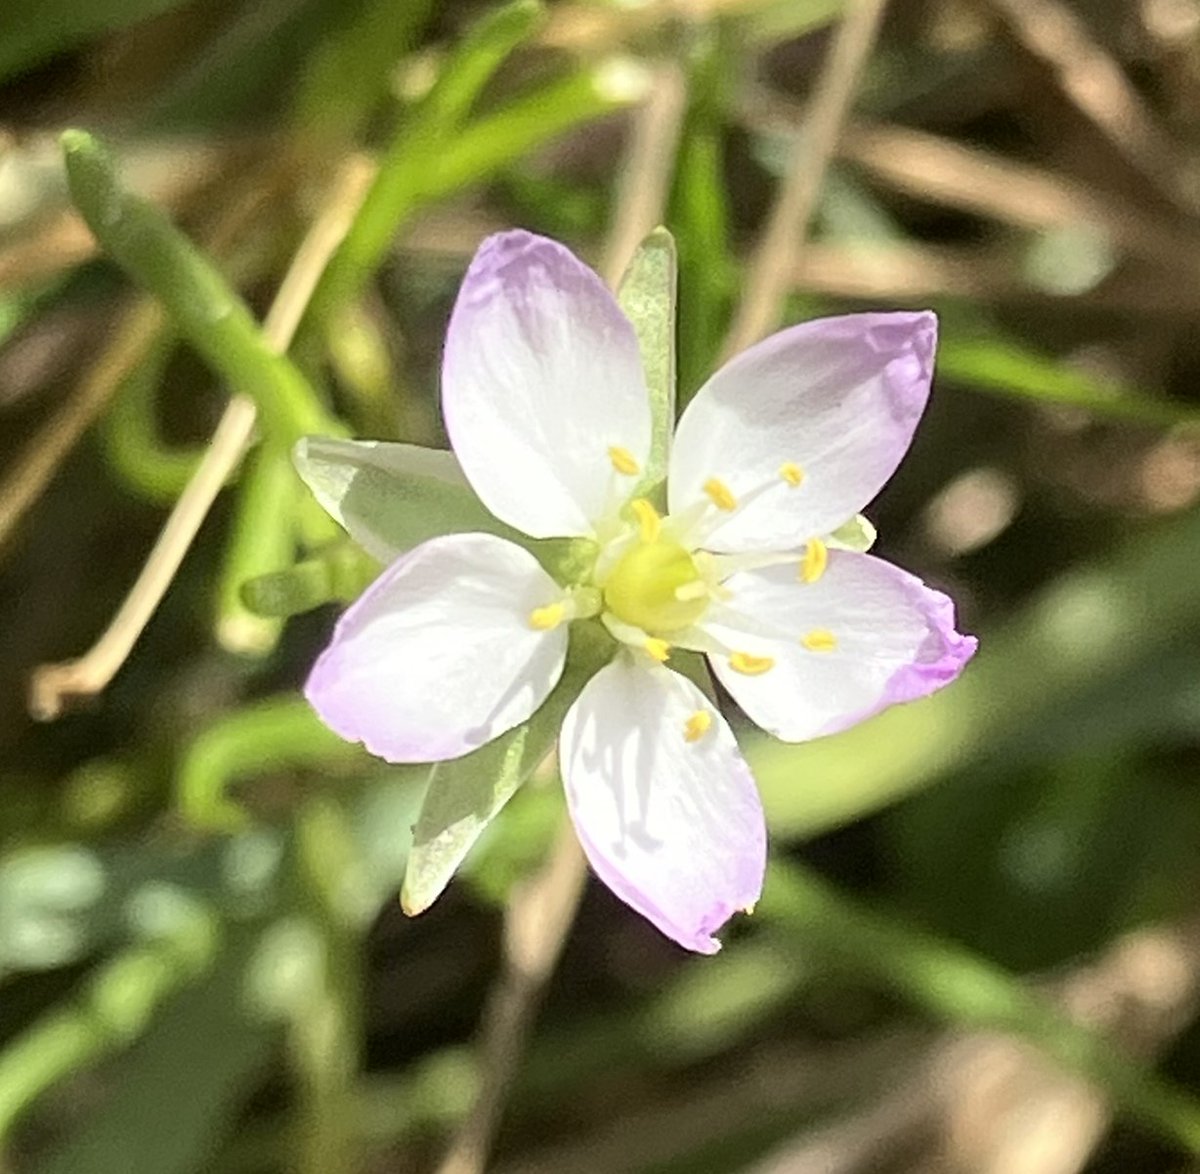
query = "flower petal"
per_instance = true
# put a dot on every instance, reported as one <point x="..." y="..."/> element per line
<point x="834" y="402"/>
<point x="663" y="802"/>
<point x="438" y="657"/>
<point x="864" y="636"/>
<point x="541" y="378"/>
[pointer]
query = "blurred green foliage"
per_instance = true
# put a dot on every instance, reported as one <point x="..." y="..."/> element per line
<point x="196" y="972"/>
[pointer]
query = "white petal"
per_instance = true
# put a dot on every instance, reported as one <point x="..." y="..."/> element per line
<point x="836" y="399"/>
<point x="673" y="826"/>
<point x="541" y="377"/>
<point x="893" y="639"/>
<point x="438" y="657"/>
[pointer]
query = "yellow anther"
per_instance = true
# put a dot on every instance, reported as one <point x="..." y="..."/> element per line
<point x="819" y="640"/>
<point x="749" y="909"/>
<point x="697" y="725"/>
<point x="720" y="494"/>
<point x="816" y="559"/>
<point x="791" y="473"/>
<point x="750" y="665"/>
<point x="696" y="589"/>
<point x="550" y="616"/>
<point x="649" y="523"/>
<point x="657" y="648"/>
<point x="623" y="460"/>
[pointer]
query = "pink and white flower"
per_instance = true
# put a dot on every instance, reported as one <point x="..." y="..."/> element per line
<point x="548" y="413"/>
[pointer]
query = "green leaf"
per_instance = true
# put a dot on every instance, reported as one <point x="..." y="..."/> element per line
<point x="647" y="295"/>
<point x="956" y="986"/>
<point x="1000" y="365"/>
<point x="390" y="497"/>
<point x="199" y="302"/>
<point x="32" y="30"/>
<point x="340" y="572"/>
<point x="471" y="66"/>
<point x="465" y="795"/>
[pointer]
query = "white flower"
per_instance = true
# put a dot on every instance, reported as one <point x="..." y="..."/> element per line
<point x="548" y="413"/>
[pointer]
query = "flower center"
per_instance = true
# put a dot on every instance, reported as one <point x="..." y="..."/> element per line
<point x="656" y="586"/>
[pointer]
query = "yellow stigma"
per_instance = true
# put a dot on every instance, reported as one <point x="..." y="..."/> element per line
<point x="720" y="494"/>
<point x="697" y="725"/>
<point x="819" y="640"/>
<point x="622" y="461"/>
<point x="791" y="473"/>
<point x="658" y="649"/>
<point x="644" y="587"/>
<point x="816" y="559"/>
<point x="750" y="665"/>
<point x="649" y="523"/>
<point x="550" y="616"/>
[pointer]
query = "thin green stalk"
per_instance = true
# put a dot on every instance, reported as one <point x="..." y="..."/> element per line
<point x="417" y="171"/>
<point x="326" y="1033"/>
<point x="201" y="305"/>
<point x="262" y="541"/>
<point x="130" y="437"/>
<point x="955" y="986"/>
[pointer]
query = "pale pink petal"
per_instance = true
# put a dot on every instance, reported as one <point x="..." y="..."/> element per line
<point x="864" y="636"/>
<point x="672" y="825"/>
<point x="835" y="401"/>
<point x="541" y="377"/>
<point x="438" y="656"/>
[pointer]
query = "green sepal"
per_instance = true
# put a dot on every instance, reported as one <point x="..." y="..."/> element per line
<point x="391" y="497"/>
<point x="647" y="296"/>
<point x="857" y="535"/>
<point x="465" y="795"/>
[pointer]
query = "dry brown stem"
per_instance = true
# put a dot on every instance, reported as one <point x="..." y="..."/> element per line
<point x="769" y="273"/>
<point x="53" y="685"/>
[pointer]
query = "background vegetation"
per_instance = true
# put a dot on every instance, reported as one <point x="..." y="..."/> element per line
<point x="980" y="948"/>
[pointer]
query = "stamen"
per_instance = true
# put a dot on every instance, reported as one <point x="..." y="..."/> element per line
<point x="750" y="665"/>
<point x="657" y="648"/>
<point x="623" y="460"/>
<point x="697" y="725"/>
<point x="546" y="618"/>
<point x="720" y="494"/>
<point x="816" y="559"/>
<point x="819" y="640"/>
<point x="649" y="523"/>
<point x="791" y="473"/>
<point x="697" y="589"/>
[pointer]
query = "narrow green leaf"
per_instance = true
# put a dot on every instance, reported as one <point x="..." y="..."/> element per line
<point x="417" y="171"/>
<point x="201" y="305"/>
<point x="1006" y="367"/>
<point x="464" y="796"/>
<point x="647" y="295"/>
<point x="390" y="497"/>
<point x="261" y="541"/>
<point x="953" y="985"/>
<point x="340" y="572"/>
<point x="348" y="73"/>
<point x="473" y="63"/>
